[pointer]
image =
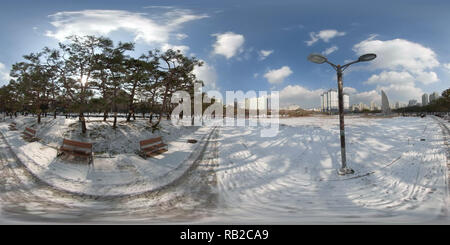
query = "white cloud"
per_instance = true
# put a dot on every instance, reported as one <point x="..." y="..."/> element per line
<point x="403" y="64"/>
<point x="228" y="44"/>
<point x="426" y="77"/>
<point x="181" y="36"/>
<point x="104" y="22"/>
<point x="305" y="98"/>
<point x="402" y="56"/>
<point x="446" y="66"/>
<point x="207" y="74"/>
<point x="325" y="35"/>
<point x="298" y="95"/>
<point x="330" y="50"/>
<point x="4" y="75"/>
<point x="391" y="77"/>
<point x="365" y="97"/>
<point x="263" y="54"/>
<point x="278" y="76"/>
<point x="349" y="90"/>
<point x="183" y="49"/>
<point x="401" y="92"/>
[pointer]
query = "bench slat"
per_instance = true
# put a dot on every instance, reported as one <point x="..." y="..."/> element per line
<point x="30" y="130"/>
<point x="153" y="147"/>
<point x="150" y="141"/>
<point x="156" y="152"/>
<point x="77" y="153"/>
<point x="150" y="148"/>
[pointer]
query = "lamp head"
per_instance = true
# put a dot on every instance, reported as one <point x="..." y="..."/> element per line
<point x="317" y="58"/>
<point x="367" y="57"/>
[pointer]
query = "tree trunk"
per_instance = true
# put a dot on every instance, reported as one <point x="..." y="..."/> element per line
<point x="162" y="108"/>
<point x="83" y="123"/>
<point x="39" y="118"/>
<point x="151" y="117"/>
<point x="115" y="120"/>
<point x="131" y="102"/>
<point x="54" y="114"/>
<point x="129" y="116"/>
<point x="115" y="116"/>
<point x="105" y="115"/>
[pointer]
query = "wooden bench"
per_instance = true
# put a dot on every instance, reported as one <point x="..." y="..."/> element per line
<point x="152" y="147"/>
<point x="13" y="126"/>
<point x="29" y="134"/>
<point x="77" y="149"/>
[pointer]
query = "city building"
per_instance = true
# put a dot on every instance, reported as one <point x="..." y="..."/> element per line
<point x="329" y="101"/>
<point x="385" y="108"/>
<point x="434" y="96"/>
<point x="424" y="99"/>
<point x="346" y="102"/>
<point x="372" y="106"/>
<point x="399" y="105"/>
<point x="412" y="102"/>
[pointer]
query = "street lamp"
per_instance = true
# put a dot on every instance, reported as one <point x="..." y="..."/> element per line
<point x="320" y="59"/>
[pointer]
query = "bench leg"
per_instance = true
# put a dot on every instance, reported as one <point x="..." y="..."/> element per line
<point x="59" y="153"/>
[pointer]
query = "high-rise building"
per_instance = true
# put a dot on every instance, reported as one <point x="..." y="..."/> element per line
<point x="329" y="101"/>
<point x="385" y="103"/>
<point x="424" y="99"/>
<point x="333" y="101"/>
<point x="434" y="96"/>
<point x="323" y="104"/>
<point x="346" y="102"/>
<point x="412" y="102"/>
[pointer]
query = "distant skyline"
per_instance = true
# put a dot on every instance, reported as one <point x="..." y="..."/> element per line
<point x="259" y="45"/>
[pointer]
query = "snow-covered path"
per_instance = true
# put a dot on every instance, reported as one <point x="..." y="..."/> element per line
<point x="241" y="178"/>
<point x="25" y="199"/>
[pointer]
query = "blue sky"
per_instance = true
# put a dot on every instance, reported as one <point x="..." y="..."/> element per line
<point x="259" y="45"/>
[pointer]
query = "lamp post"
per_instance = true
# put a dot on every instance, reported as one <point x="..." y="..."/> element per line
<point x="320" y="59"/>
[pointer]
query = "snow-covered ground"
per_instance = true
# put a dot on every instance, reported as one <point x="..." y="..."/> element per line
<point x="292" y="177"/>
<point x="117" y="168"/>
<point x="401" y="176"/>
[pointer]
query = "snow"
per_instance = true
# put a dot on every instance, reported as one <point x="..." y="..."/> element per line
<point x="117" y="169"/>
<point x="292" y="178"/>
<point x="400" y="163"/>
